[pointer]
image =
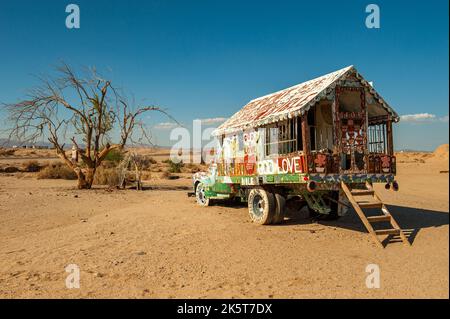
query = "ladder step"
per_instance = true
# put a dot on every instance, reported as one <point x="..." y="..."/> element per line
<point x="388" y="232"/>
<point x="370" y="204"/>
<point x="382" y="218"/>
<point x="362" y="192"/>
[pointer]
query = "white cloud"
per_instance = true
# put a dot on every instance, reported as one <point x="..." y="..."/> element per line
<point x="165" y="126"/>
<point x="423" y="117"/>
<point x="214" y="120"/>
<point x="417" y="117"/>
<point x="444" y="119"/>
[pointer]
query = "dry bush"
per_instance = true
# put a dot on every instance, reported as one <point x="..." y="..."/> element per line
<point x="192" y="168"/>
<point x="31" y="167"/>
<point x="6" y="152"/>
<point x="11" y="169"/>
<point x="175" y="167"/>
<point x="166" y="175"/>
<point x="146" y="175"/>
<point x="144" y="162"/>
<point x="156" y="169"/>
<point x="109" y="164"/>
<point x="115" y="156"/>
<point x="57" y="170"/>
<point x="107" y="176"/>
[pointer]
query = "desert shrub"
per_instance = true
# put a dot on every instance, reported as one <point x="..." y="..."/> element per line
<point x="144" y="162"/>
<point x="57" y="170"/>
<point x="166" y="175"/>
<point x="107" y="176"/>
<point x="11" y="169"/>
<point x="146" y="175"/>
<point x="192" y="168"/>
<point x="156" y="169"/>
<point x="109" y="164"/>
<point x="114" y="156"/>
<point x="6" y="152"/>
<point x="175" y="167"/>
<point x="31" y="166"/>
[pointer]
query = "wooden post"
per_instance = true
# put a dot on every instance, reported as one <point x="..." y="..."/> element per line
<point x="305" y="139"/>
<point x="390" y="137"/>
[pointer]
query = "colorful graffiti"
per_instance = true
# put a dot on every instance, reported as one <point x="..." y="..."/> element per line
<point x="282" y="165"/>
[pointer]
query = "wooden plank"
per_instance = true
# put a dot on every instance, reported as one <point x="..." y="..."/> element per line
<point x="370" y="204"/>
<point x="362" y="192"/>
<point x="305" y="139"/>
<point x="388" y="232"/>
<point x="393" y="222"/>
<point x="361" y="214"/>
<point x="383" y="218"/>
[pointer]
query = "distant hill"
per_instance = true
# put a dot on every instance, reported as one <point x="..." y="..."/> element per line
<point x="408" y="150"/>
<point x="4" y="142"/>
<point x="441" y="153"/>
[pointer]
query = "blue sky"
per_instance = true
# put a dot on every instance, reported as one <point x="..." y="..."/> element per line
<point x="206" y="59"/>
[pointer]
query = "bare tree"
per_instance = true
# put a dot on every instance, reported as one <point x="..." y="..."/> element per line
<point x="87" y="111"/>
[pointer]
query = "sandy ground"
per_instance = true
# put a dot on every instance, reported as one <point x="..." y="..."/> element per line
<point x="158" y="244"/>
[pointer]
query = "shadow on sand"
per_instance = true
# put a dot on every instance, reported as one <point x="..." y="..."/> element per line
<point x="411" y="220"/>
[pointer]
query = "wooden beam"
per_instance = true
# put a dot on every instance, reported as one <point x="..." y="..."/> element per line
<point x="305" y="139"/>
<point x="390" y="137"/>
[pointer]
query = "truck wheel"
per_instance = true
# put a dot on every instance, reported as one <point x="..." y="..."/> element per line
<point x="200" y="195"/>
<point x="280" y="208"/>
<point x="261" y="206"/>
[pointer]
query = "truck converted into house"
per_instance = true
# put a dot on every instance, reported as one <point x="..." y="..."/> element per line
<point x="324" y="141"/>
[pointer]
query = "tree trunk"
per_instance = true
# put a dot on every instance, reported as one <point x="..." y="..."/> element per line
<point x="85" y="180"/>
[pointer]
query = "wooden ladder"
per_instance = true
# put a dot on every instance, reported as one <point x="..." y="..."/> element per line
<point x="354" y="198"/>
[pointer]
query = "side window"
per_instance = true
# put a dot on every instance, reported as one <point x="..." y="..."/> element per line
<point x="284" y="137"/>
<point x="271" y="140"/>
<point x="377" y="138"/>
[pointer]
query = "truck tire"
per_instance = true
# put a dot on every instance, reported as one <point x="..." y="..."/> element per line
<point x="280" y="208"/>
<point x="200" y="195"/>
<point x="261" y="206"/>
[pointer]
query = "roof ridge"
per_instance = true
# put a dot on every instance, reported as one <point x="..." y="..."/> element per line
<point x="302" y="83"/>
<point x="293" y="101"/>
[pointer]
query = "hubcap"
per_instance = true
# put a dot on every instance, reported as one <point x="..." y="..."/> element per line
<point x="201" y="194"/>
<point x="258" y="206"/>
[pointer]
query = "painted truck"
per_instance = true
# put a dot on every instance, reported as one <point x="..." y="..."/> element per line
<point x="317" y="141"/>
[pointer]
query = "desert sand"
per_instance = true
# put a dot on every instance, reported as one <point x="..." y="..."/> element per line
<point x="158" y="243"/>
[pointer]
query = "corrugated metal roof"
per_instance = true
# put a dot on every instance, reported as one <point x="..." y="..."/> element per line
<point x="292" y="102"/>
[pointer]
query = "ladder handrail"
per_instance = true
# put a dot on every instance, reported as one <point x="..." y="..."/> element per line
<point x="360" y="214"/>
<point x="366" y="221"/>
